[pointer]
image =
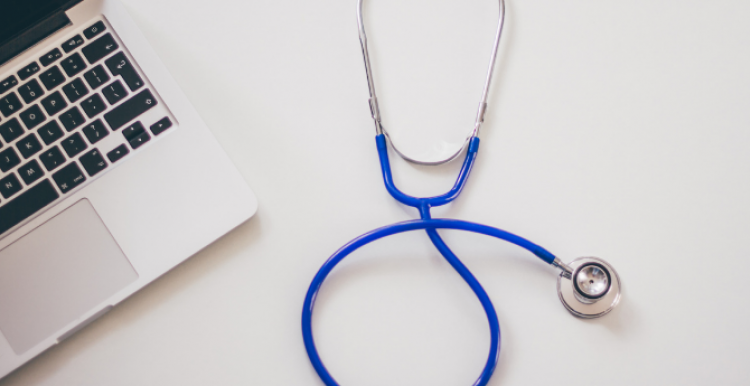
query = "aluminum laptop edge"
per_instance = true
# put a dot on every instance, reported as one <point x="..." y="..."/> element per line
<point x="150" y="185"/>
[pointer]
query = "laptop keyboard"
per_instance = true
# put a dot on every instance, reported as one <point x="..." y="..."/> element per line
<point x="69" y="117"/>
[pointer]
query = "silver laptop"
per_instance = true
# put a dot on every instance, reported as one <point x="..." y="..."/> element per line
<point x="108" y="177"/>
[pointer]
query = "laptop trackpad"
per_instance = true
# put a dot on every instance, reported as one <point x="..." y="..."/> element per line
<point x="55" y="274"/>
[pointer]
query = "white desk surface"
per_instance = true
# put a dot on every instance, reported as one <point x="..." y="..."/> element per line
<point x="615" y="129"/>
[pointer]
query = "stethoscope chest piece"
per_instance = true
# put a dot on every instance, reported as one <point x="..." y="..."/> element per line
<point x="592" y="289"/>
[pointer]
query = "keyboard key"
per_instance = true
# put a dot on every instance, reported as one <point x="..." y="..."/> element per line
<point x="120" y="65"/>
<point x="75" y="90"/>
<point x="130" y="109"/>
<point x="28" y="71"/>
<point x="10" y="186"/>
<point x="74" y="145"/>
<point x="72" y="119"/>
<point x="72" y="44"/>
<point x="32" y="117"/>
<point x="73" y="65"/>
<point x="93" y="105"/>
<point x="114" y="92"/>
<point x="50" y="57"/>
<point x="8" y="159"/>
<point x="52" y="78"/>
<point x="133" y="131"/>
<point x="7" y="84"/>
<point x="159" y="127"/>
<point x="29" y="146"/>
<point x="118" y="153"/>
<point x="100" y="48"/>
<point x="69" y="177"/>
<point x="52" y="158"/>
<point x="93" y="162"/>
<point x="139" y="140"/>
<point x="10" y="104"/>
<point x="94" y="30"/>
<point x="54" y="103"/>
<point x="96" y="77"/>
<point x="31" y="91"/>
<point x="50" y="132"/>
<point x="95" y="131"/>
<point x="25" y="205"/>
<point x="11" y="130"/>
<point x="30" y="172"/>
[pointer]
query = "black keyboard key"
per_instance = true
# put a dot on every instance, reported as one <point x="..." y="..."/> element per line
<point x="120" y="65"/>
<point x="8" y="159"/>
<point x="31" y="91"/>
<point x="72" y="119"/>
<point x="29" y="146"/>
<point x="133" y="131"/>
<point x="114" y="92"/>
<point x="72" y="44"/>
<point x="50" y="57"/>
<point x="130" y="109"/>
<point x="31" y="172"/>
<point x="52" y="78"/>
<point x="7" y="84"/>
<point x="11" y="130"/>
<point x="96" y="77"/>
<point x="73" y="65"/>
<point x="28" y="71"/>
<point x="100" y="48"/>
<point x="69" y="177"/>
<point x="118" y="153"/>
<point x="54" y="103"/>
<point x="25" y="205"/>
<point x="74" y="145"/>
<point x="93" y="105"/>
<point x="94" y="30"/>
<point x="10" y="104"/>
<point x="139" y="140"/>
<point x="50" y="132"/>
<point x="52" y="158"/>
<point x="159" y="127"/>
<point x="95" y="131"/>
<point x="10" y="186"/>
<point x="32" y="117"/>
<point x="75" y="90"/>
<point x="93" y="162"/>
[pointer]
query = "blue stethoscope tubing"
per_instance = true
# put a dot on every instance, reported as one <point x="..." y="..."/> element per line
<point x="430" y="225"/>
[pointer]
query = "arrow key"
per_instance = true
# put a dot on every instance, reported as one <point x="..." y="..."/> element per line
<point x="118" y="153"/>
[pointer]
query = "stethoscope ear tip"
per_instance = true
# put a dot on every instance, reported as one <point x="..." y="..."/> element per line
<point x="589" y="287"/>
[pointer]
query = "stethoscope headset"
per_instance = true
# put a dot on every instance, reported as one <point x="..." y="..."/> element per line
<point x="588" y="286"/>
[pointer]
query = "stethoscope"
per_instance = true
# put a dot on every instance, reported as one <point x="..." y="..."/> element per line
<point x="588" y="287"/>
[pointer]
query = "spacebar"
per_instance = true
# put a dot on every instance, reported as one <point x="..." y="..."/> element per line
<point x="25" y="205"/>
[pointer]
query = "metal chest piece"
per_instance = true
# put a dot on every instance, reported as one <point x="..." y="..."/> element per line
<point x="590" y="288"/>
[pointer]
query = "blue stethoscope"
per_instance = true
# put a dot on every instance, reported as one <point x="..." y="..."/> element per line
<point x="588" y="287"/>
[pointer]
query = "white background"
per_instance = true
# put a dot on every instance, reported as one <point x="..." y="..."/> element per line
<point x="614" y="129"/>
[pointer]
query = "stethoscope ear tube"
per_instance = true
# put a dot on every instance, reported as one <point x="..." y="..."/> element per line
<point x="375" y="107"/>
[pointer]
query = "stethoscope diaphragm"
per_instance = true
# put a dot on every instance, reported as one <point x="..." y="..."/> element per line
<point x="591" y="289"/>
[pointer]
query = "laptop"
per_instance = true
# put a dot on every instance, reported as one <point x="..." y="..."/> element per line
<point x="108" y="177"/>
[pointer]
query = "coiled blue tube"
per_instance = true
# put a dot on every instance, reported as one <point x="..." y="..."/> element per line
<point x="430" y="226"/>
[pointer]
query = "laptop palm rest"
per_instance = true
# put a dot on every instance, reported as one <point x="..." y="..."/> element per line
<point x="57" y="273"/>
